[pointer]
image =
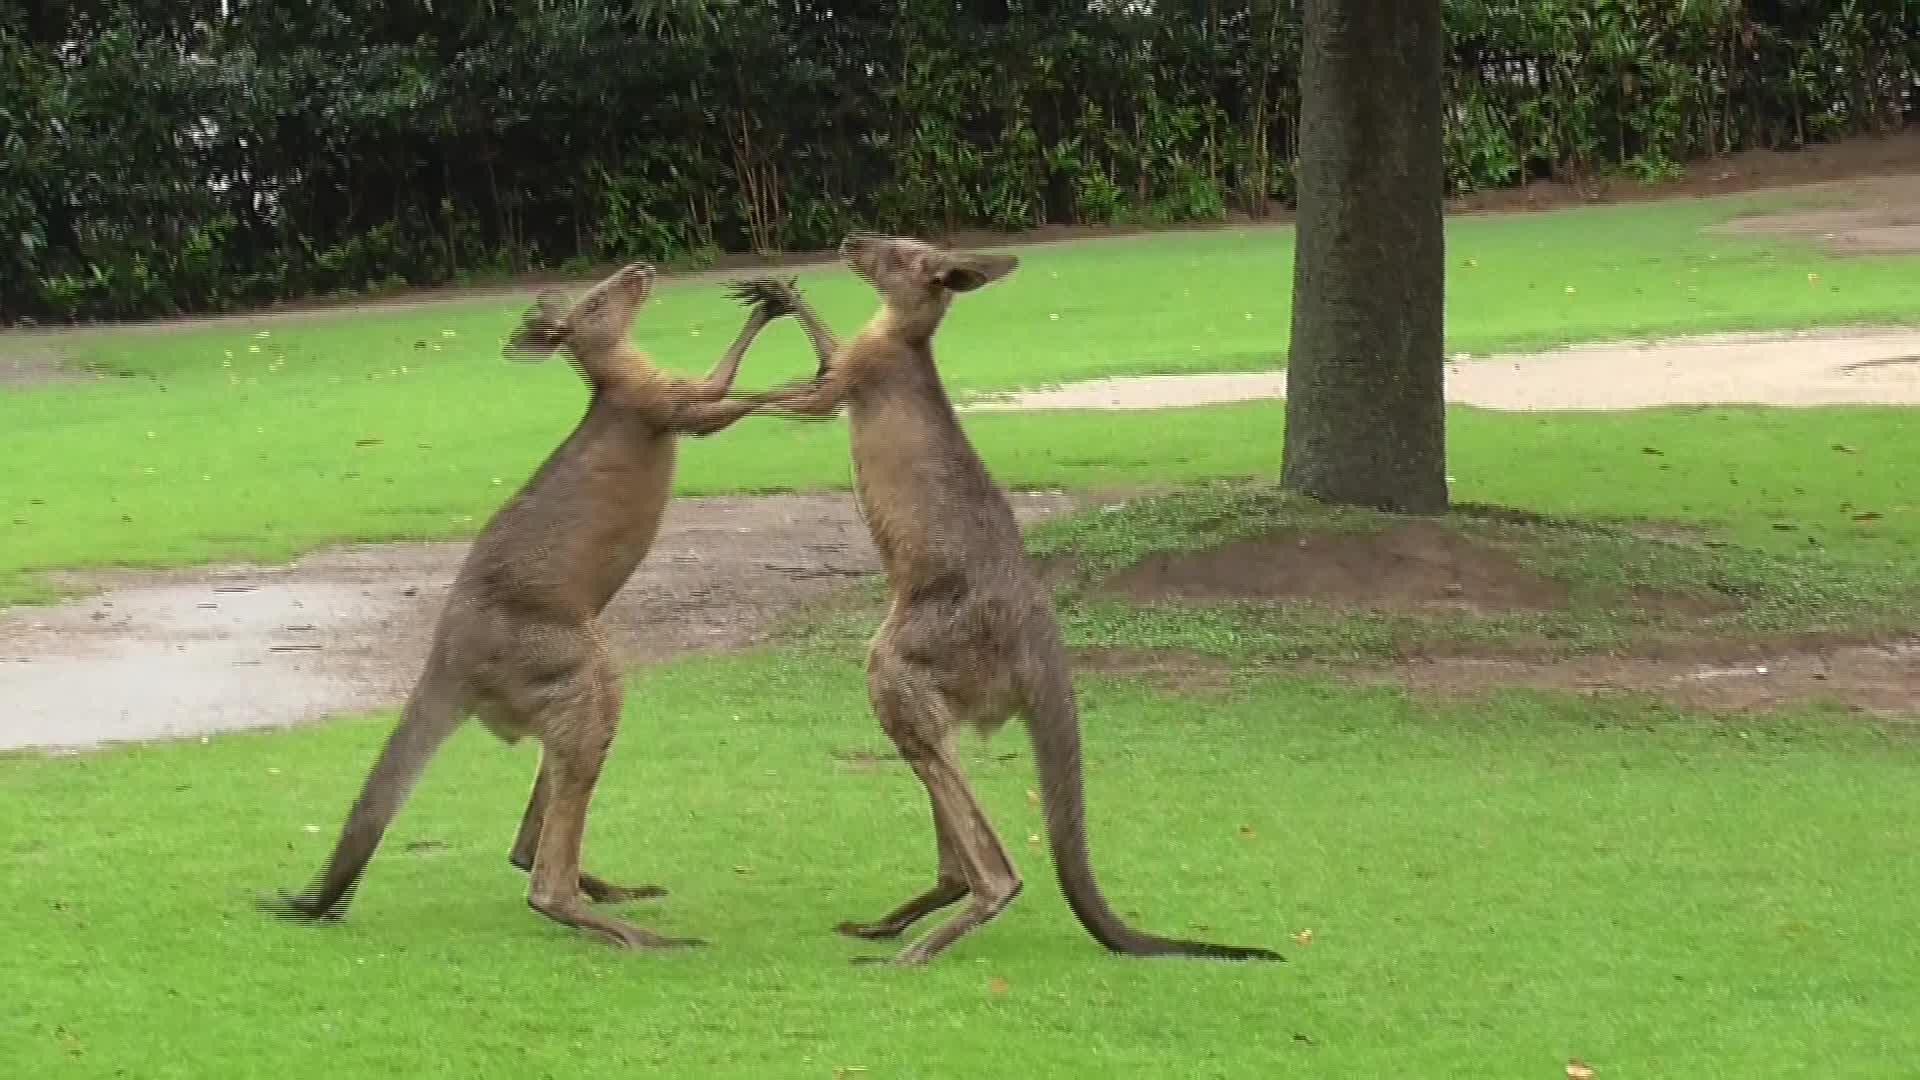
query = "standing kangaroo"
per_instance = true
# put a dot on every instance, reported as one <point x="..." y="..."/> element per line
<point x="519" y="643"/>
<point x="970" y="636"/>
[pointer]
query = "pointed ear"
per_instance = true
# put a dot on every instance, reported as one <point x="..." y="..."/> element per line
<point x="542" y="330"/>
<point x="965" y="273"/>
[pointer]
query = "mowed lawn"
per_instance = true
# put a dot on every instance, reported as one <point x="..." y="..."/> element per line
<point x="223" y="444"/>
<point x="1488" y="887"/>
<point x="1491" y="888"/>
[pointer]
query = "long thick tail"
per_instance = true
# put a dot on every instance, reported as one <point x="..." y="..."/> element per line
<point x="431" y="714"/>
<point x="1053" y="722"/>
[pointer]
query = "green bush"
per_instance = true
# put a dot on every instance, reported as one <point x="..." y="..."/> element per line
<point x="177" y="159"/>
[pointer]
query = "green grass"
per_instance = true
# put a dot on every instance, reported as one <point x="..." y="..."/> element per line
<point x="1492" y="888"/>
<point x="387" y="428"/>
<point x="272" y="492"/>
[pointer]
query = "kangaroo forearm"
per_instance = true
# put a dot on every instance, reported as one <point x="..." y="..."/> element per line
<point x="815" y="399"/>
<point x="708" y="417"/>
<point x="822" y="339"/>
<point x="720" y="380"/>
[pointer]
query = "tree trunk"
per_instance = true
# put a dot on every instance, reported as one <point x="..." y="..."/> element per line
<point x="1366" y="408"/>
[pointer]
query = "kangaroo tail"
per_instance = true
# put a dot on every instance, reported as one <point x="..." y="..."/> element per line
<point x="431" y="714"/>
<point x="1053" y="722"/>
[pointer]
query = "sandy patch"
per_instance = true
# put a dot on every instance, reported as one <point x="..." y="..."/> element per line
<point x="1830" y="367"/>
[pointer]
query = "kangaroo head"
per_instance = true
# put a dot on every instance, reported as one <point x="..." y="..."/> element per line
<point x="596" y="322"/>
<point x="916" y="280"/>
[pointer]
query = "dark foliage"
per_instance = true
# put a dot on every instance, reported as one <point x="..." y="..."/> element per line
<point x="163" y="157"/>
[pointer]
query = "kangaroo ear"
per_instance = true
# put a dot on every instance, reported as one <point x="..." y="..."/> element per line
<point x="542" y="330"/>
<point x="965" y="273"/>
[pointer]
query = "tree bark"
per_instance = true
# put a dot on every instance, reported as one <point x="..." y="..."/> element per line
<point x="1366" y="406"/>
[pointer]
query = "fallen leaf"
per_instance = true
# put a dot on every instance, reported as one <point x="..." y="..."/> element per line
<point x="1033" y="798"/>
<point x="1579" y="1070"/>
<point x="1304" y="937"/>
<point x="370" y="440"/>
<point x="1246" y="832"/>
<point x="1866" y="516"/>
<point x="1034" y="839"/>
<point x="1844" y="448"/>
<point x="997" y="985"/>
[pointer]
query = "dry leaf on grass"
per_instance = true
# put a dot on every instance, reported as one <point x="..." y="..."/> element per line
<point x="1579" y="1070"/>
<point x="997" y="985"/>
<point x="1304" y="937"/>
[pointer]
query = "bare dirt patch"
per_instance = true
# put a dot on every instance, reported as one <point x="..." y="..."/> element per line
<point x="32" y="363"/>
<point x="1881" y="680"/>
<point x="1866" y="158"/>
<point x="1173" y="671"/>
<point x="190" y="652"/>
<point x="1414" y="566"/>
<point x="1868" y="217"/>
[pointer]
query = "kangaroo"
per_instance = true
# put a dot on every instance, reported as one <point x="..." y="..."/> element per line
<point x="970" y="637"/>
<point x="519" y="644"/>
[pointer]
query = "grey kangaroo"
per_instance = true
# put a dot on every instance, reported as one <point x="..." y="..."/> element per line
<point x="970" y="637"/>
<point x="519" y="644"/>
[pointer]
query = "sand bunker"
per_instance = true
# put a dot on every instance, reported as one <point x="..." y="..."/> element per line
<point x="1864" y="367"/>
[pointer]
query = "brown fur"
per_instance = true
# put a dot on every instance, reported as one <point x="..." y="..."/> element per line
<point x="519" y="644"/>
<point x="970" y="637"/>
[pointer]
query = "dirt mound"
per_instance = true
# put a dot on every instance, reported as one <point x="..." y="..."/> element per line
<point x="1415" y="566"/>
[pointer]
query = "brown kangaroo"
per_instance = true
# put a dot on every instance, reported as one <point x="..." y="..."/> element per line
<point x="970" y="636"/>
<point x="519" y="644"/>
